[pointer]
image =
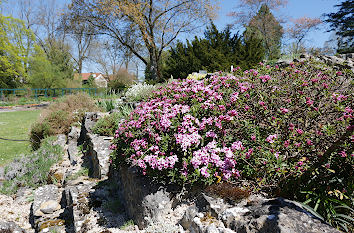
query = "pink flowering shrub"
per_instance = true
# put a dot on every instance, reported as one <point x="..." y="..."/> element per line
<point x="268" y="126"/>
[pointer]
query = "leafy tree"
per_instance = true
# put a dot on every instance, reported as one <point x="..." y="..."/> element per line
<point x="155" y="24"/>
<point x="267" y="28"/>
<point x="58" y="53"/>
<point x="217" y="51"/>
<point x="343" y="24"/>
<point x="52" y="67"/>
<point x="42" y="73"/>
<point x="300" y="28"/>
<point x="13" y="51"/>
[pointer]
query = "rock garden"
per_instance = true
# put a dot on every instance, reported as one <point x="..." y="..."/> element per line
<point x="263" y="150"/>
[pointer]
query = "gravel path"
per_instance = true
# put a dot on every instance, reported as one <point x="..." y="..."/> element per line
<point x="23" y="107"/>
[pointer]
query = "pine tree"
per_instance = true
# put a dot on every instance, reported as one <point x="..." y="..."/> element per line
<point x="342" y="23"/>
<point x="216" y="52"/>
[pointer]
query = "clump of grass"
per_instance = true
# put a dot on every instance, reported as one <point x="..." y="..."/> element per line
<point x="60" y="115"/>
<point x="82" y="172"/>
<point x="31" y="170"/>
<point x="108" y="125"/>
<point x="127" y="224"/>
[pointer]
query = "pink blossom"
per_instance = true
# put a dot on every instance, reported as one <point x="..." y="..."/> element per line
<point x="265" y="78"/>
<point x="253" y="137"/>
<point x="309" y="142"/>
<point x="211" y="134"/>
<point x="271" y="138"/>
<point x="343" y="154"/>
<point x="309" y="102"/>
<point x="221" y="107"/>
<point x="249" y="153"/>
<point x="204" y="172"/>
<point x="237" y="146"/>
<point x="286" y="143"/>
<point x="284" y="110"/>
<point x="276" y="155"/>
<point x="299" y="131"/>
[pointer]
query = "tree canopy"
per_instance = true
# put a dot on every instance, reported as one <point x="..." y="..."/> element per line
<point x="342" y="22"/>
<point x="268" y="29"/>
<point x="13" y="51"/>
<point x="153" y="23"/>
<point x="217" y="51"/>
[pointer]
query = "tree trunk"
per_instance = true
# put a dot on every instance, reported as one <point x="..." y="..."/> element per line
<point x="154" y="66"/>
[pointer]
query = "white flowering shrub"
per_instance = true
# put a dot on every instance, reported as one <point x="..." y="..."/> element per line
<point x="139" y="91"/>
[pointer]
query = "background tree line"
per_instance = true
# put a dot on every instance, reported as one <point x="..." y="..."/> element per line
<point x="48" y="42"/>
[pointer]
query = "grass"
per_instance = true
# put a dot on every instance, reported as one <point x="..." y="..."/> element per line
<point x="15" y="125"/>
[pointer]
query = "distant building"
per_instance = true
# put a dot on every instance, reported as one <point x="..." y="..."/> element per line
<point x="99" y="78"/>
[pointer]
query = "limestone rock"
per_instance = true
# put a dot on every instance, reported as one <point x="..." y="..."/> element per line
<point x="49" y="207"/>
<point x="188" y="216"/>
<point x="98" y="154"/>
<point x="10" y="227"/>
<point x="61" y="140"/>
<point x="90" y="120"/>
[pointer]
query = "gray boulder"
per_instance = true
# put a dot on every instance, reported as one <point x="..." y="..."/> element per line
<point x="72" y="149"/>
<point x="260" y="215"/>
<point x="145" y="201"/>
<point x="10" y="227"/>
<point x="98" y="155"/>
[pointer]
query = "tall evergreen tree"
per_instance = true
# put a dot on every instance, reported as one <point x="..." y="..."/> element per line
<point x="342" y="22"/>
<point x="266" y="27"/>
<point x="217" y="51"/>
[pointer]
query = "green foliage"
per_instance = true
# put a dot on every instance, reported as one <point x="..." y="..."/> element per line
<point x="42" y="73"/>
<point x="107" y="126"/>
<point x="14" y="50"/>
<point x="342" y="23"/>
<point x="217" y="52"/>
<point x="264" y="26"/>
<point x="107" y="105"/>
<point x="58" y="54"/>
<point x="90" y="83"/>
<point x="32" y="169"/>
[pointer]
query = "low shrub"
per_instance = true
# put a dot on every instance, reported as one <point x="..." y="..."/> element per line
<point x="31" y="170"/>
<point x="107" y="125"/>
<point x="283" y="130"/>
<point x="60" y="115"/>
<point x="139" y="91"/>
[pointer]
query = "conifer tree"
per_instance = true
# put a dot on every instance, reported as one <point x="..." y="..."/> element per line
<point x="216" y="52"/>
<point x="342" y="22"/>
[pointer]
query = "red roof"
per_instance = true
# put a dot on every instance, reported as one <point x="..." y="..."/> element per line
<point x="85" y="76"/>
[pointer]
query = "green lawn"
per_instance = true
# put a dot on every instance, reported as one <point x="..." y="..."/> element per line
<point x="15" y="125"/>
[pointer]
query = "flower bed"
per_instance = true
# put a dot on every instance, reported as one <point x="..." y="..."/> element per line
<point x="266" y="126"/>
